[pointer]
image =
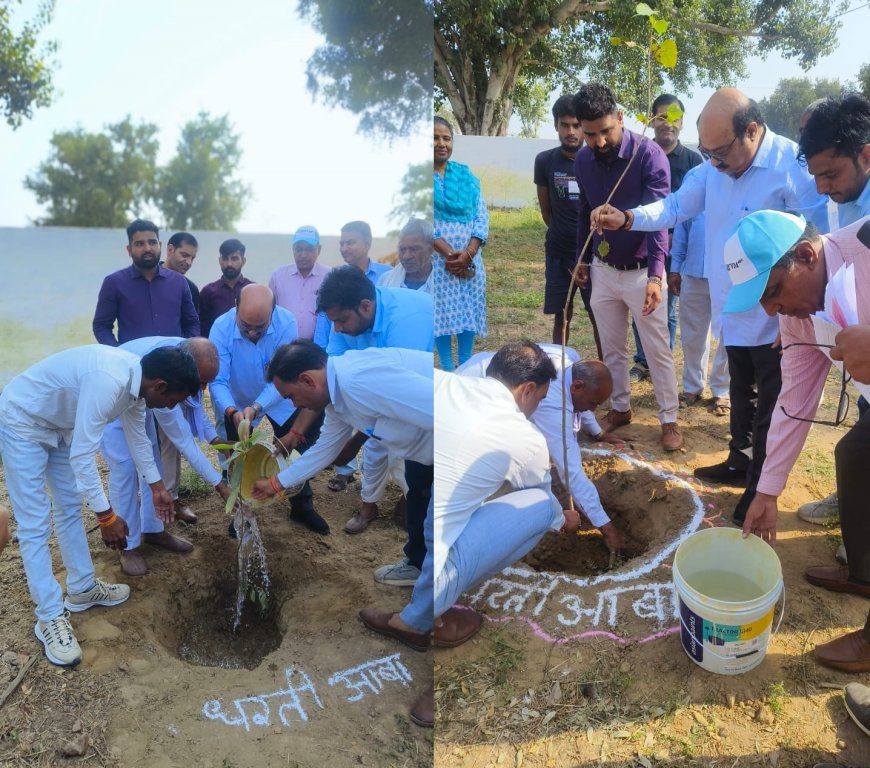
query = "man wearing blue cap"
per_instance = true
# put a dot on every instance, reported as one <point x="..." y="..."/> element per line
<point x="820" y="287"/>
<point x="295" y="285"/>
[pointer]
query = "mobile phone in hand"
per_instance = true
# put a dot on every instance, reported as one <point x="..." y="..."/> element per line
<point x="864" y="234"/>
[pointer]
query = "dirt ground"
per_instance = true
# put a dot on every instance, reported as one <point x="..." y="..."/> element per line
<point x="538" y="687"/>
<point x="134" y="701"/>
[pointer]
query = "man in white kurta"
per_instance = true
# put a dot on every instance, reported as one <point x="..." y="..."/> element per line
<point x="52" y="417"/>
<point x="126" y="486"/>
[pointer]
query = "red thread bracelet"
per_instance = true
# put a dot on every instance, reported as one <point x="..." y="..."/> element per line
<point x="299" y="436"/>
<point x="275" y="485"/>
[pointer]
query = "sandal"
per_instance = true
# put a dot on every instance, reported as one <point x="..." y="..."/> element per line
<point x="340" y="482"/>
<point x="721" y="406"/>
<point x="687" y="399"/>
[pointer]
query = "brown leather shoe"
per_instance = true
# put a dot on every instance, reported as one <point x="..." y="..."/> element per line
<point x="849" y="653"/>
<point x="835" y="578"/>
<point x="167" y="541"/>
<point x="360" y="521"/>
<point x="423" y="711"/>
<point x="184" y="514"/>
<point x="672" y="438"/>
<point x="132" y="562"/>
<point x="615" y="419"/>
<point x="460" y="625"/>
<point x="378" y="621"/>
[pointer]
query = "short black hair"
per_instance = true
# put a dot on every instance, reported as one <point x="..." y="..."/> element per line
<point x="518" y="362"/>
<point x="810" y="235"/>
<point x="182" y="238"/>
<point x="361" y="228"/>
<point x="141" y="225"/>
<point x="294" y="358"/>
<point x="344" y="288"/>
<point x="175" y="366"/>
<point x="841" y="123"/>
<point x="665" y="100"/>
<point x="443" y="121"/>
<point x="563" y="107"/>
<point x="741" y="119"/>
<point x="230" y="246"/>
<point x="594" y="101"/>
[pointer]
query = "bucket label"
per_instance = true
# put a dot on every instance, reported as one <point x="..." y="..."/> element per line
<point x="730" y="643"/>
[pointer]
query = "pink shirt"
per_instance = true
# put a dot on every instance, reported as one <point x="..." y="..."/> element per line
<point x="804" y="369"/>
<point x="299" y="294"/>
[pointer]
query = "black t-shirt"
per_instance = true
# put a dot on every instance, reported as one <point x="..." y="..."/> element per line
<point x="556" y="172"/>
<point x="194" y="293"/>
<point x="682" y="160"/>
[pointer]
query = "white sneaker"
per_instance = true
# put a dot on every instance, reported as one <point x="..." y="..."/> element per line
<point x="100" y="594"/>
<point x="819" y="512"/>
<point x="58" y="640"/>
<point x="840" y="556"/>
<point x="401" y="574"/>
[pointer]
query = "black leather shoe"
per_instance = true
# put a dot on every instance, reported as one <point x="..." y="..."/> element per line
<point x="739" y="516"/>
<point x="723" y="473"/>
<point x="307" y="515"/>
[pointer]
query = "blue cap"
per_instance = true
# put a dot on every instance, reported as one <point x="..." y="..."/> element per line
<point x="306" y="235"/>
<point x="759" y="241"/>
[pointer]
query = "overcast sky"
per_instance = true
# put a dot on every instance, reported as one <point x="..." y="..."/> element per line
<point x="165" y="60"/>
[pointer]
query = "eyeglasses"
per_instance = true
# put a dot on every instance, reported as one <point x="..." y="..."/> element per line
<point x="258" y="329"/>
<point x="719" y="156"/>
<point x="842" y="403"/>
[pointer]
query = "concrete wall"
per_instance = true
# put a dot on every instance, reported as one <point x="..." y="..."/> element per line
<point x="52" y="276"/>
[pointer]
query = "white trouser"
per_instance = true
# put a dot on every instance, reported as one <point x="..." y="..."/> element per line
<point x="695" y="336"/>
<point x="126" y="485"/>
<point x="170" y="460"/>
<point x="29" y="466"/>
<point x="615" y="296"/>
<point x="378" y="466"/>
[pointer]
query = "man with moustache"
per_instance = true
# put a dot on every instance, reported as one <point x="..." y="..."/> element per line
<point x="295" y="285"/>
<point x="629" y="269"/>
<point x="180" y="253"/>
<point x="145" y="299"/>
<point x="222" y="295"/>
<point x="414" y="249"/>
<point x="749" y="168"/>
<point x="354" y="244"/>
<point x="558" y="197"/>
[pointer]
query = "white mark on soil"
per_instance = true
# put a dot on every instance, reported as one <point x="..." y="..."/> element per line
<point x="372" y="675"/>
<point x="255" y="710"/>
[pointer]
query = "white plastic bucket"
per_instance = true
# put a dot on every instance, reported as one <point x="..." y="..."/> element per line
<point x="723" y="636"/>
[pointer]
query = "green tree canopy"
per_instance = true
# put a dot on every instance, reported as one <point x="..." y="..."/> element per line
<point x="782" y="110"/>
<point x="25" y="74"/>
<point x="864" y="80"/>
<point x="377" y="61"/>
<point x="198" y="189"/>
<point x="416" y="195"/>
<point x="485" y="48"/>
<point x="97" y="179"/>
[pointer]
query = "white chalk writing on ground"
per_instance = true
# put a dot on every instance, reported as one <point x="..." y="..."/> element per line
<point x="372" y="675"/>
<point x="248" y="711"/>
<point x="524" y="593"/>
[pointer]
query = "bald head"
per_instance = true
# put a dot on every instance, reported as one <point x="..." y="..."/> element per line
<point x="254" y="313"/>
<point x="205" y="355"/>
<point x="730" y="131"/>
<point x="591" y="384"/>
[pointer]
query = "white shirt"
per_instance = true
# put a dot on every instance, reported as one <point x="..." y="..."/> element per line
<point x="69" y="398"/>
<point x="386" y="393"/>
<point x="548" y="419"/>
<point x="775" y="181"/>
<point x="174" y="421"/>
<point x="482" y="441"/>
<point x="395" y="278"/>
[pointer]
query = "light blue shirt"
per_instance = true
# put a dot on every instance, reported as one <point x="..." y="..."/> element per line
<point x="241" y="379"/>
<point x="385" y="393"/>
<point x="403" y="319"/>
<point x="849" y="213"/>
<point x="687" y="247"/>
<point x="775" y="180"/>
<point x="375" y="270"/>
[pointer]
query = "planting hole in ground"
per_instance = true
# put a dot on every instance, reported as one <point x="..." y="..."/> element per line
<point x="649" y="510"/>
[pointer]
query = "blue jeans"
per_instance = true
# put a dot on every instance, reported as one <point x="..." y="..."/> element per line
<point x="418" y="613"/>
<point x="498" y="534"/>
<point x="639" y="356"/>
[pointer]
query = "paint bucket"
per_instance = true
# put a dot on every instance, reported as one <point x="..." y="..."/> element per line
<point x="727" y="588"/>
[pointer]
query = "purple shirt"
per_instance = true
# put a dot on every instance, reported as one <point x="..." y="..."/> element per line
<point x="161" y="307"/>
<point x="217" y="298"/>
<point x="299" y="294"/>
<point x="648" y="179"/>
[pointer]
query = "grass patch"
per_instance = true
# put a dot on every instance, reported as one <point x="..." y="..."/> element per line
<point x="191" y="485"/>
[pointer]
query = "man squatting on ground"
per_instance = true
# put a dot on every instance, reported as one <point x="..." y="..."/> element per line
<point x="52" y="418"/>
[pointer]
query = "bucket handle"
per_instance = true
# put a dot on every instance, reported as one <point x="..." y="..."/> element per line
<point x="772" y="634"/>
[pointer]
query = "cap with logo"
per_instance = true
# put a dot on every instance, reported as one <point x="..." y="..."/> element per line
<point x="306" y="235"/>
<point x="759" y="241"/>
